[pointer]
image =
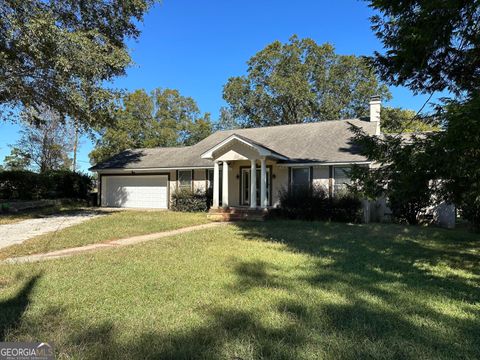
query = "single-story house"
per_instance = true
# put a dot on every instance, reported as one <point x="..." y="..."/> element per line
<point x="244" y="167"/>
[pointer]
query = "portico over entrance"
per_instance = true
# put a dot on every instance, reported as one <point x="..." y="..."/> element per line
<point x="255" y="172"/>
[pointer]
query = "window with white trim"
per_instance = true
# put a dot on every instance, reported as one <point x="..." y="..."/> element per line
<point x="185" y="179"/>
<point x="341" y="176"/>
<point x="300" y="177"/>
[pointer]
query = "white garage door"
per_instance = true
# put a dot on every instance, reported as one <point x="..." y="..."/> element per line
<point x="138" y="191"/>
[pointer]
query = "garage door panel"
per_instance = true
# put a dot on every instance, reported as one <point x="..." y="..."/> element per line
<point x="140" y="191"/>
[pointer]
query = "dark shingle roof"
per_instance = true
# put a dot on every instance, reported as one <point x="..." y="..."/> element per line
<point x="326" y="141"/>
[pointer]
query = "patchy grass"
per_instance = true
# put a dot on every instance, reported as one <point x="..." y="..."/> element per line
<point x="274" y="290"/>
<point x="113" y="225"/>
<point x="11" y="218"/>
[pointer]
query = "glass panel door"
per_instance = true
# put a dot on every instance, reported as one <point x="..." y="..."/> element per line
<point x="245" y="186"/>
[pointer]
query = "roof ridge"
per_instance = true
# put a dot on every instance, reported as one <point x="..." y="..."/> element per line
<point x="284" y="125"/>
<point x="160" y="147"/>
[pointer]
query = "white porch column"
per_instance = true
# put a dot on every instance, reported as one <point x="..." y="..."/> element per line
<point x="253" y="184"/>
<point x="263" y="184"/>
<point x="216" y="184"/>
<point x="225" y="185"/>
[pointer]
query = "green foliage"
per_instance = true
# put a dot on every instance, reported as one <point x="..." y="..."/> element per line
<point x="161" y="118"/>
<point x="306" y="203"/>
<point x="5" y="207"/>
<point x="60" y="53"/>
<point x="301" y="81"/>
<point x="434" y="46"/>
<point x="398" y="120"/>
<point x="17" y="160"/>
<point x="27" y="185"/>
<point x="191" y="201"/>
<point x="431" y="45"/>
<point x="401" y="173"/>
<point x="455" y="158"/>
<point x="226" y="121"/>
<point x="198" y="130"/>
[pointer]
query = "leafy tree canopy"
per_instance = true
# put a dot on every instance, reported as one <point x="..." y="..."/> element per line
<point x="17" y="160"/>
<point x="59" y="53"/>
<point x="398" y="120"/>
<point x="400" y="173"/>
<point x="161" y="118"/>
<point x="455" y="157"/>
<point x="431" y="45"/>
<point x="301" y="81"/>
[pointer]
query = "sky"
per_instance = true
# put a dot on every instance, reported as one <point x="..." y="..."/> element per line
<point x="195" y="46"/>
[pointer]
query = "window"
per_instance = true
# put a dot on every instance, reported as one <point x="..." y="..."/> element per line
<point x="341" y="178"/>
<point x="185" y="179"/>
<point x="300" y="177"/>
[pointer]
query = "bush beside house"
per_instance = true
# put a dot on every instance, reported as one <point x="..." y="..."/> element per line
<point x="191" y="201"/>
<point x="315" y="204"/>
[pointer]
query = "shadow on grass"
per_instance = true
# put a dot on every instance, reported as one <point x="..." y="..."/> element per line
<point x="212" y="341"/>
<point x="370" y="268"/>
<point x="12" y="310"/>
<point x="378" y="292"/>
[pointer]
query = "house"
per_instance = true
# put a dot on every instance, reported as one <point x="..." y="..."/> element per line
<point x="244" y="167"/>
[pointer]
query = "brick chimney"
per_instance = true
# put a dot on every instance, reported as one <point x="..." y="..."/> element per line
<point x="375" y="106"/>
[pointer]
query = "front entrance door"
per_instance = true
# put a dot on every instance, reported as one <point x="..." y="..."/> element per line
<point x="245" y="186"/>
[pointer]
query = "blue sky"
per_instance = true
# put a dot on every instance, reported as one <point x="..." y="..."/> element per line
<point x="195" y="46"/>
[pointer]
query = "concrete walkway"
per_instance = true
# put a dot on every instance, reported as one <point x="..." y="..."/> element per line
<point x="108" y="245"/>
<point x="17" y="233"/>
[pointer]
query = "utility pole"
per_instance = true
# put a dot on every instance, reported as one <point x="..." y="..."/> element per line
<point x="75" y="147"/>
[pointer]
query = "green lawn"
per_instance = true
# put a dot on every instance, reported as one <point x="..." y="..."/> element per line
<point x="114" y="225"/>
<point x="273" y="290"/>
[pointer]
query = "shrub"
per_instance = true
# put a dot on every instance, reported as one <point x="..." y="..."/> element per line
<point x="315" y="204"/>
<point x="5" y="207"/>
<point x="190" y="201"/>
<point x="67" y="184"/>
<point x="27" y="185"/>
<point x="470" y="209"/>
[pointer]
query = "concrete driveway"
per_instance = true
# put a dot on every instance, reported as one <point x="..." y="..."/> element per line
<point x="19" y="232"/>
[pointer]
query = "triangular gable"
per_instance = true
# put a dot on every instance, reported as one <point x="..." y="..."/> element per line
<point x="259" y="148"/>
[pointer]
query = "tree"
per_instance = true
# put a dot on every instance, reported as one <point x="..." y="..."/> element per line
<point x="226" y="121"/>
<point x="454" y="157"/>
<point x="17" y="160"/>
<point x="401" y="173"/>
<point x="301" y="81"/>
<point x="46" y="140"/>
<point x="59" y="53"/>
<point x="398" y="120"/>
<point x="161" y="118"/>
<point x="198" y="130"/>
<point x="433" y="46"/>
